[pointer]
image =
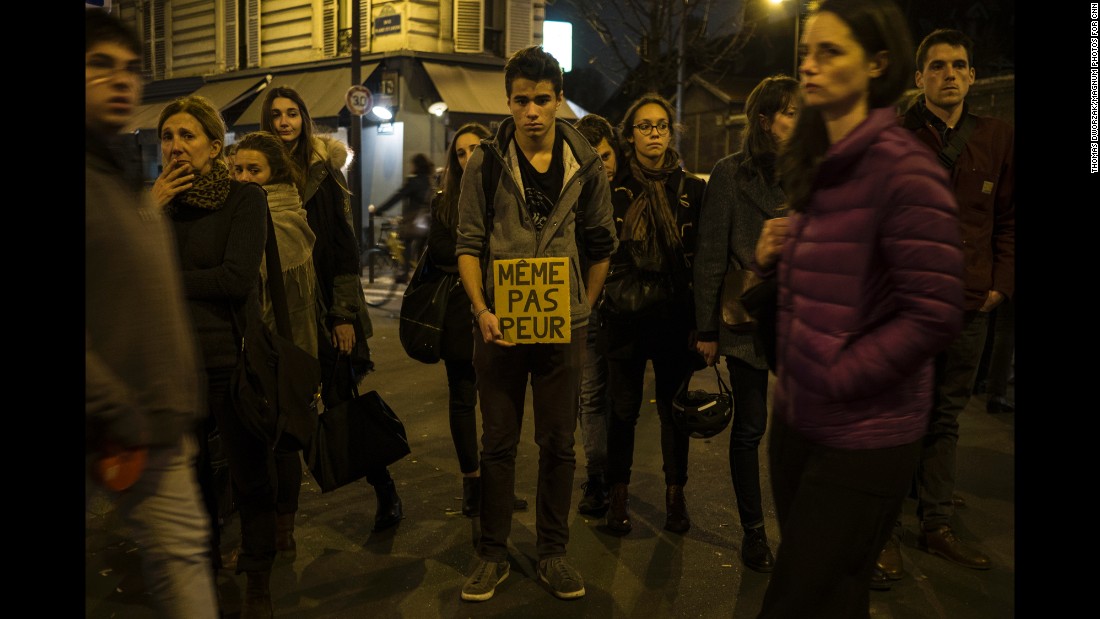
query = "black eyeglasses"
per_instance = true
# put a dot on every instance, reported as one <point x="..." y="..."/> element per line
<point x="647" y="128"/>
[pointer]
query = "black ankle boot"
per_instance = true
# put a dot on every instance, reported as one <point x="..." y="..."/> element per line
<point x="257" y="596"/>
<point x="676" y="519"/>
<point x="389" y="510"/>
<point x="471" y="496"/>
<point x="618" y="519"/>
<point x="755" y="552"/>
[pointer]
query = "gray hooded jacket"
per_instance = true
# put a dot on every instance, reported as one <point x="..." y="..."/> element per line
<point x="513" y="234"/>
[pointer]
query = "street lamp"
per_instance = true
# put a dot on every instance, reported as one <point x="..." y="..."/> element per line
<point x="797" y="24"/>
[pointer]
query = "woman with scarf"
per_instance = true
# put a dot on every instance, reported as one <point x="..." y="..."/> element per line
<point x="260" y="158"/>
<point x="656" y="213"/>
<point x="345" y="324"/>
<point x="221" y="229"/>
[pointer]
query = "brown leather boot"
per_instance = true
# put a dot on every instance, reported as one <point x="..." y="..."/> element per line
<point x="257" y="596"/>
<point x="284" y="535"/>
<point x="618" y="520"/>
<point x="676" y="519"/>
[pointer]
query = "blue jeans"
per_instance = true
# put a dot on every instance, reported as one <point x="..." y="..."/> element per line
<point x="554" y="371"/>
<point x="750" y="419"/>
<point x="165" y="512"/>
<point x="592" y="408"/>
<point x="955" y="370"/>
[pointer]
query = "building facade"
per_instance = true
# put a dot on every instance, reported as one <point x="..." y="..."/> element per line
<point x="432" y="64"/>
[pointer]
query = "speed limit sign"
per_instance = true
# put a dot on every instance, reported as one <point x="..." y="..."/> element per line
<point x="358" y="100"/>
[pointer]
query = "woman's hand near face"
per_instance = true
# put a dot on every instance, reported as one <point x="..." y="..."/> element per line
<point x="175" y="178"/>
<point x="770" y="243"/>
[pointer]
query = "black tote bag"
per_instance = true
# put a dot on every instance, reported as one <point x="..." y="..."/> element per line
<point x="354" y="436"/>
<point x="424" y="310"/>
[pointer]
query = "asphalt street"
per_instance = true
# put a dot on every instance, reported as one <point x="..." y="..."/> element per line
<point x="417" y="568"/>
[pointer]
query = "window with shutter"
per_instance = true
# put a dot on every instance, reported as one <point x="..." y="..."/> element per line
<point x="252" y="32"/>
<point x="329" y="28"/>
<point x="230" y="27"/>
<point x="519" y="26"/>
<point x="154" y="54"/>
<point x="364" y="26"/>
<point x="468" y="17"/>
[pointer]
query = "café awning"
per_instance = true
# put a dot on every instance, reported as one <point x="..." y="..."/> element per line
<point x="475" y="91"/>
<point x="322" y="91"/>
<point x="224" y="94"/>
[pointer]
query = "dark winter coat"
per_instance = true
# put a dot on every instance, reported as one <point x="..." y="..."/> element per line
<point x="620" y="337"/>
<point x="739" y="198"/>
<point x="513" y="234"/>
<point x="220" y="253"/>
<point x="458" y="335"/>
<point x="870" y="290"/>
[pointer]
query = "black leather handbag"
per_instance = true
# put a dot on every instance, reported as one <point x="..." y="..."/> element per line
<point x="354" y="436"/>
<point x="276" y="385"/>
<point x="761" y="302"/>
<point x="640" y="286"/>
<point x="424" y="310"/>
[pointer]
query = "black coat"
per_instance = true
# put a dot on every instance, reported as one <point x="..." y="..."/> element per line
<point x="220" y="253"/>
<point x="458" y="335"/>
<point x="670" y="325"/>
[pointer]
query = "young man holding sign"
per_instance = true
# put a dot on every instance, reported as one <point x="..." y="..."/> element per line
<point x="534" y="198"/>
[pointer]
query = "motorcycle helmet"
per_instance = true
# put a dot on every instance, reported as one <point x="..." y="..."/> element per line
<point x="701" y="414"/>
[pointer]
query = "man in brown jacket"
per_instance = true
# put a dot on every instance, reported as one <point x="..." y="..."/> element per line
<point x="978" y="151"/>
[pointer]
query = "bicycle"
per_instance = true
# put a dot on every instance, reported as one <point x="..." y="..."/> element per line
<point x="380" y="264"/>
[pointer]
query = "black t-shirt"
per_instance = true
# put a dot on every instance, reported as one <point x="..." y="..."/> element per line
<point x="541" y="190"/>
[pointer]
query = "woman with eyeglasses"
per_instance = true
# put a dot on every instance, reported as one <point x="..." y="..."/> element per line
<point x="656" y="209"/>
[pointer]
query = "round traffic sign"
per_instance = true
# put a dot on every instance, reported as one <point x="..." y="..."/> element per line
<point x="358" y="100"/>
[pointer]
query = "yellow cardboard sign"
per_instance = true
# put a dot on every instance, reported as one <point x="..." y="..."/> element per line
<point x="531" y="298"/>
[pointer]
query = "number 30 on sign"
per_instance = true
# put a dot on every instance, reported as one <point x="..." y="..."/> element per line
<point x="358" y="100"/>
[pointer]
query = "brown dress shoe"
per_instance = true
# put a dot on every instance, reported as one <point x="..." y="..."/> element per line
<point x="943" y="542"/>
<point x="889" y="560"/>
<point x="618" y="520"/>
